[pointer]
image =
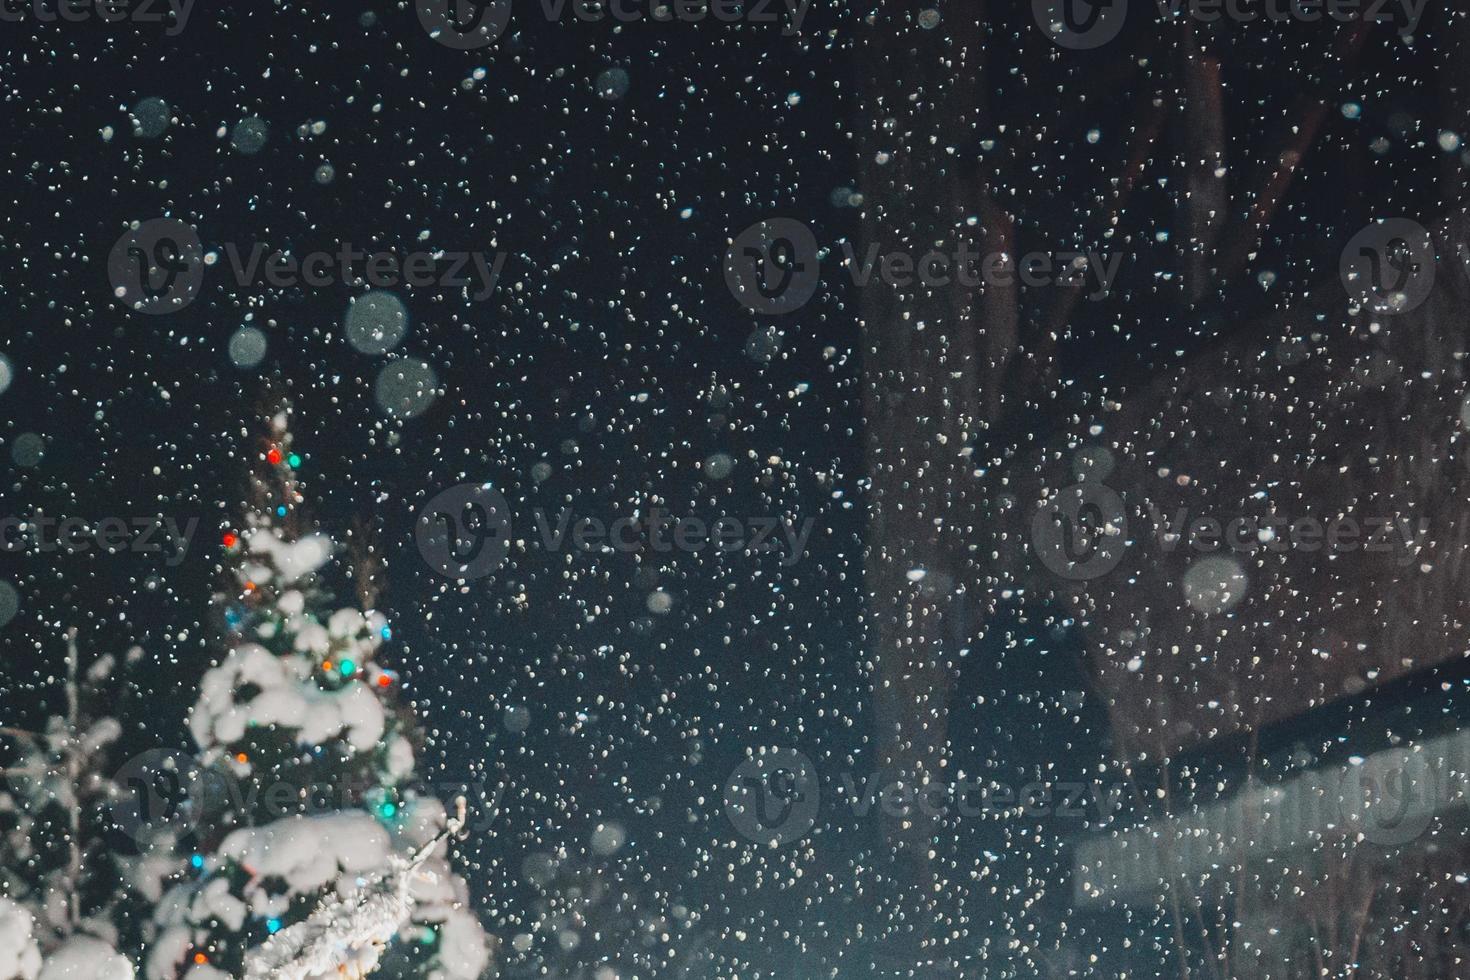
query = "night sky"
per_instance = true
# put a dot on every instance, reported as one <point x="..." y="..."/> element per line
<point x="607" y="369"/>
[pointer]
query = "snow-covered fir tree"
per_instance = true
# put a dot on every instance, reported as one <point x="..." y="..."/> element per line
<point x="62" y="891"/>
<point x="309" y="804"/>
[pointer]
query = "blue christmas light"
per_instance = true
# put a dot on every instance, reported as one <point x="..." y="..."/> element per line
<point x="386" y="632"/>
<point x="347" y="667"/>
<point x="272" y="926"/>
<point x="197" y="861"/>
<point x="281" y="510"/>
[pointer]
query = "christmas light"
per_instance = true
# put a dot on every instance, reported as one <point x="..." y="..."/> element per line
<point x="348" y="667"/>
<point x="273" y="457"/>
<point x="294" y="460"/>
<point x="197" y="860"/>
<point x="229" y="539"/>
<point x="272" y="926"/>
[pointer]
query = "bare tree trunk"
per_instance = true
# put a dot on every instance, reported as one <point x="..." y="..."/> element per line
<point x="1453" y="57"/>
<point x="932" y="357"/>
<point x="74" y="785"/>
<point x="1200" y="148"/>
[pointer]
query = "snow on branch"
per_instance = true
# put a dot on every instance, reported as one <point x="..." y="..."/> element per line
<point x="346" y="936"/>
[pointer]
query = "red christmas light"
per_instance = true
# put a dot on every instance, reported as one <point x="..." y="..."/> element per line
<point x="273" y="457"/>
<point x="229" y="539"/>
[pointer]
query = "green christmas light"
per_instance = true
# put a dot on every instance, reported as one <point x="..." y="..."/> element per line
<point x="347" y="667"/>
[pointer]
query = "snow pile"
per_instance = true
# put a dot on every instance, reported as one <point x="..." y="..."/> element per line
<point x="343" y="935"/>
<point x="286" y="689"/>
<point x="308" y="853"/>
<point x="203" y="971"/>
<point x="20" y="957"/>
<point x="288" y="561"/>
<point x="86" y="958"/>
<point x="348" y="931"/>
<point x="166" y="953"/>
<point x="440" y="897"/>
<point x="463" y="952"/>
<point x="287" y="695"/>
